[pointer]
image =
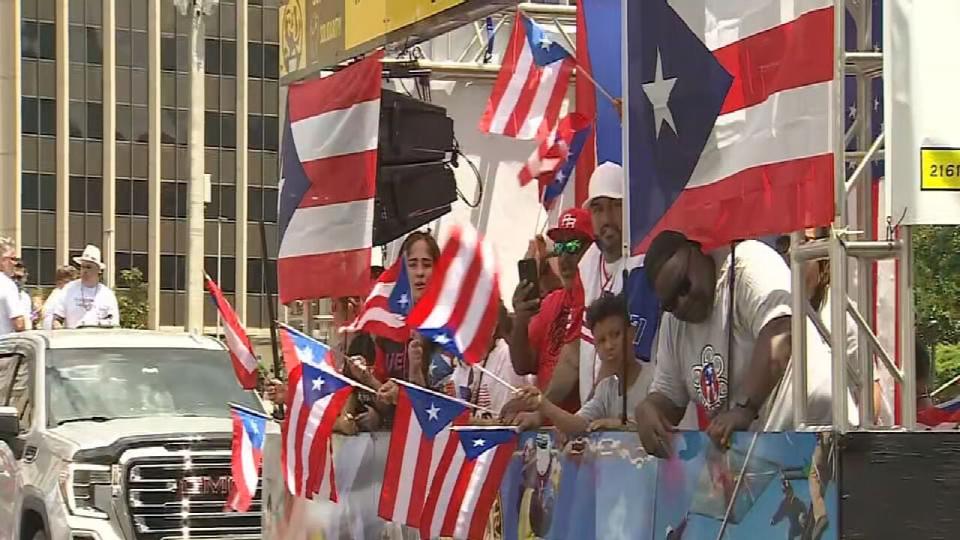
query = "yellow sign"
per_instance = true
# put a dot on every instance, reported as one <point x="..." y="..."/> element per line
<point x="367" y="20"/>
<point x="293" y="24"/>
<point x="940" y="169"/>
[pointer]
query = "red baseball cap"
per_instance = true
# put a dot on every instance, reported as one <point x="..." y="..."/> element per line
<point x="574" y="222"/>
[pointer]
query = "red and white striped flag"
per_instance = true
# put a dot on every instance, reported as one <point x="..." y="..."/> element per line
<point x="238" y="342"/>
<point x="316" y="394"/>
<point x="532" y="84"/>
<point x="466" y="483"/>
<point x="383" y="312"/>
<point x="421" y="437"/>
<point x="458" y="310"/>
<point x="329" y="178"/>
<point x="249" y="432"/>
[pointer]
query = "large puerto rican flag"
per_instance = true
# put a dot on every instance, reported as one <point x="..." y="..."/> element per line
<point x="329" y="179"/>
<point x="729" y="123"/>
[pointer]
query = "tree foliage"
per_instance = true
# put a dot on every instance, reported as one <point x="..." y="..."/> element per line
<point x="936" y="256"/>
<point x="132" y="299"/>
<point x="948" y="367"/>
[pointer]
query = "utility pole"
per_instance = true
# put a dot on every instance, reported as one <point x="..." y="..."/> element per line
<point x="196" y="10"/>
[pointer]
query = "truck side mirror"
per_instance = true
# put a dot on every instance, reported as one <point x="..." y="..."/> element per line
<point x="9" y="423"/>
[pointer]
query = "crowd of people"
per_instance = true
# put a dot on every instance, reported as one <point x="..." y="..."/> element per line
<point x="703" y="338"/>
<point x="78" y="300"/>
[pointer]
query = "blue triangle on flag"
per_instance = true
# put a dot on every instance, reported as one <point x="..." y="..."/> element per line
<point x="255" y="426"/>
<point x="434" y="411"/>
<point x="319" y="382"/>
<point x="476" y="442"/>
<point x="444" y="338"/>
<point x="401" y="299"/>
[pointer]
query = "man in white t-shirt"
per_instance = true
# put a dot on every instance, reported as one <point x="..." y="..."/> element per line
<point x="601" y="271"/>
<point x="695" y="357"/>
<point x="86" y="301"/>
<point x="12" y="316"/>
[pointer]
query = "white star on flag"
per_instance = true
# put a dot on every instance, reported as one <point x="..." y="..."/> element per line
<point x="403" y="301"/>
<point x="658" y="92"/>
<point x="317" y="384"/>
<point x="478" y="443"/>
<point x="545" y="42"/>
<point x="442" y="339"/>
<point x="253" y="428"/>
<point x="305" y="354"/>
<point x="852" y="112"/>
<point x="433" y="412"/>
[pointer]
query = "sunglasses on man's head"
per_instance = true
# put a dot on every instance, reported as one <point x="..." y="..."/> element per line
<point x="570" y="246"/>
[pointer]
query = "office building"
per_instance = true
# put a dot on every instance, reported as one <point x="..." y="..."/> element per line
<point x="93" y="145"/>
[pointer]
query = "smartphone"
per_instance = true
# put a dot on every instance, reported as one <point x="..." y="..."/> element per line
<point x="529" y="272"/>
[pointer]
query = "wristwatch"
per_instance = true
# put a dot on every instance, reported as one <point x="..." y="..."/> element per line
<point x="749" y="405"/>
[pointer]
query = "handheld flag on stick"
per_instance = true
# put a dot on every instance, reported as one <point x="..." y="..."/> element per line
<point x="238" y="342"/>
<point x="421" y="434"/>
<point x="249" y="430"/>
<point x="386" y="307"/>
<point x="458" y="310"/>
<point x="466" y="482"/>
<point x="316" y="396"/>
<point x="532" y="84"/>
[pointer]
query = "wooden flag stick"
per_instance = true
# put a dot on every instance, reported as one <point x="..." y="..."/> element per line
<point x="497" y="378"/>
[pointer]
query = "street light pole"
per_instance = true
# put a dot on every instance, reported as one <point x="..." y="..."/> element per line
<point x="196" y="10"/>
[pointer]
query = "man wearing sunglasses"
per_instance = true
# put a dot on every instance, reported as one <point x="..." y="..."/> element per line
<point x="13" y="317"/>
<point x="696" y="360"/>
<point x="544" y="328"/>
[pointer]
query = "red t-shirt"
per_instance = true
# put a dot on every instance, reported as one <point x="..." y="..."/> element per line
<point x="556" y="324"/>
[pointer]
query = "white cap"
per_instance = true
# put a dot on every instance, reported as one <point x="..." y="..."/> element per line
<point x="91" y="254"/>
<point x="606" y="181"/>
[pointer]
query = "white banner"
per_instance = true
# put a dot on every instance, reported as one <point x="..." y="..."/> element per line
<point x="921" y="44"/>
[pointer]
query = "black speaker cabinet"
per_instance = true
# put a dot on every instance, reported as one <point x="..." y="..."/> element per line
<point x="413" y="131"/>
<point x="410" y="196"/>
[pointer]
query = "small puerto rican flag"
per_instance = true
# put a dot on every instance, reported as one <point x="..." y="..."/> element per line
<point x="238" y="342"/>
<point x="249" y="431"/>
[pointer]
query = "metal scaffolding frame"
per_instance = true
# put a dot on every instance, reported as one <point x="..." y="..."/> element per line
<point x="859" y="248"/>
<point x="468" y="63"/>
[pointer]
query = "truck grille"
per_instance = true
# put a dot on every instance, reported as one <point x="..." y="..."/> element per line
<point x="183" y="496"/>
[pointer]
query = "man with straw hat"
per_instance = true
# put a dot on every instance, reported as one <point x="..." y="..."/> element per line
<point x="86" y="301"/>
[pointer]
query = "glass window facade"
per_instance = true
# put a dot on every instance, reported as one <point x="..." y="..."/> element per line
<point x="132" y="76"/>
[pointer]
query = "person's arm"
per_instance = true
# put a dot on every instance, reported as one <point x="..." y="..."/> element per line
<point x="658" y="415"/>
<point x="415" y="362"/>
<point x="566" y="375"/>
<point x="571" y="424"/>
<point x="522" y="355"/>
<point x="14" y="307"/>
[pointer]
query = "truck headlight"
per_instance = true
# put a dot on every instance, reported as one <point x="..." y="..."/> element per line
<point x="86" y="489"/>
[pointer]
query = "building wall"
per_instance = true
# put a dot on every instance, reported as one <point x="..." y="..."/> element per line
<point x="134" y="77"/>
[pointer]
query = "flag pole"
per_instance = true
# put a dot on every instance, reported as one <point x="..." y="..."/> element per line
<point x="497" y="378"/>
<point x="271" y="308"/>
<point x="581" y="70"/>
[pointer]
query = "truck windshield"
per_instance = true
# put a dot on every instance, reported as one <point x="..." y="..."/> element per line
<point x="105" y="384"/>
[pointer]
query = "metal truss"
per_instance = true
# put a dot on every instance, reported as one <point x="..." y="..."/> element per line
<point x="466" y="59"/>
<point x="847" y="248"/>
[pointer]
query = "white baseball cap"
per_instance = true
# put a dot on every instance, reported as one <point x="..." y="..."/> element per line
<point x="606" y="181"/>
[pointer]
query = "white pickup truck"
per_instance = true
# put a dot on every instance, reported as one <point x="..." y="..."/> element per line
<point x="118" y="434"/>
